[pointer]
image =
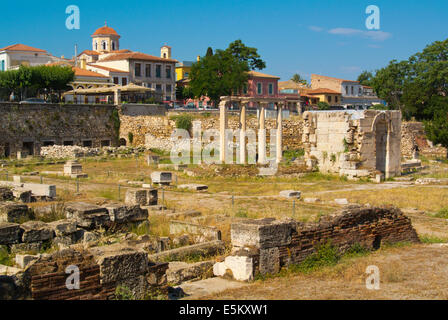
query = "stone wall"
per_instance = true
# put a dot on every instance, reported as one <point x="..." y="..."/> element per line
<point x="265" y="246"/>
<point x="155" y="131"/>
<point x="28" y="127"/>
<point x="413" y="133"/>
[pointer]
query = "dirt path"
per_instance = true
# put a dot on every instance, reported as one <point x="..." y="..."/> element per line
<point x="417" y="272"/>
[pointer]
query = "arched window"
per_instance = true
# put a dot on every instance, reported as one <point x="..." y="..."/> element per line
<point x="96" y="45"/>
<point x="104" y="45"/>
<point x="113" y="45"/>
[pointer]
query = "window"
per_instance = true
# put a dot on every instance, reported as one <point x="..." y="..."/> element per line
<point x="48" y="143"/>
<point x="104" y="45"/>
<point x="116" y="80"/>
<point x="336" y="99"/>
<point x="329" y="99"/>
<point x="105" y="143"/>
<point x="168" y="89"/>
<point x="96" y="45"/>
<point x="124" y="81"/>
<point x="359" y="91"/>
<point x="3" y="65"/>
<point x="138" y="70"/>
<point x="158" y="71"/>
<point x="113" y="45"/>
<point x="259" y="88"/>
<point x="87" y="143"/>
<point x="352" y="91"/>
<point x="158" y="88"/>
<point x="68" y="143"/>
<point x="168" y="72"/>
<point x="148" y="71"/>
<point x="271" y="89"/>
<point x="346" y="90"/>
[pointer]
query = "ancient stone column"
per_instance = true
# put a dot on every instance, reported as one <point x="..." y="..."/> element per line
<point x="222" y="131"/>
<point x="299" y="108"/>
<point x="262" y="135"/>
<point x="243" y="133"/>
<point x="279" y="145"/>
<point x="117" y="97"/>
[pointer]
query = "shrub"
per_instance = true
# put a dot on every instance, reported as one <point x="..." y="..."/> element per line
<point x="443" y="213"/>
<point x="184" y="121"/>
<point x="323" y="106"/>
<point x="326" y="255"/>
<point x="130" y="137"/>
<point x="5" y="257"/>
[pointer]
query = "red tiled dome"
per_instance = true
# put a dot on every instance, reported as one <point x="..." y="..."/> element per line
<point x="105" y="31"/>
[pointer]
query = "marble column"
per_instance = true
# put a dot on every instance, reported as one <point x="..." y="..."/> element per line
<point x="262" y="135"/>
<point x="243" y="129"/>
<point x="279" y="145"/>
<point x="222" y="131"/>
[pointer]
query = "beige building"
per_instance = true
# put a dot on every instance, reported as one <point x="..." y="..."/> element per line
<point x="126" y="66"/>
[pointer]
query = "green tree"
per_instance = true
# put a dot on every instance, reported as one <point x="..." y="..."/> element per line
<point x="298" y="79"/>
<point x="437" y="128"/>
<point x="323" y="106"/>
<point x="365" y="78"/>
<point x="209" y="52"/>
<point x="246" y="54"/>
<point x="218" y="75"/>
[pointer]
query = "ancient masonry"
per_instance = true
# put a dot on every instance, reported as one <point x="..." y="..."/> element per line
<point x="354" y="143"/>
<point x="25" y="128"/>
<point x="265" y="246"/>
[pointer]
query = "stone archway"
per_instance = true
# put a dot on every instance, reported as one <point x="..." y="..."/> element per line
<point x="381" y="132"/>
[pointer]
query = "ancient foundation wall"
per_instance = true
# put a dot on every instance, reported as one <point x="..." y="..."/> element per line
<point x="28" y="127"/>
<point x="265" y="246"/>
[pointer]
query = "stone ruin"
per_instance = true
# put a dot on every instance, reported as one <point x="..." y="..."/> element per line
<point x="267" y="245"/>
<point x="354" y="143"/>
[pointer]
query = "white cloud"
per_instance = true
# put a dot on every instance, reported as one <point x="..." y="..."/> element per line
<point x="372" y="35"/>
<point x="315" y="28"/>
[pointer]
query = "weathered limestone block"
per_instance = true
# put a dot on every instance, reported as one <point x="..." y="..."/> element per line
<point x="241" y="268"/>
<point x="41" y="190"/>
<point x="179" y="272"/>
<point x="13" y="212"/>
<point x="164" y="178"/>
<point x="72" y="167"/>
<point x="63" y="227"/>
<point x="22" y="195"/>
<point x="203" y="249"/>
<point x="263" y="234"/>
<point x="87" y="215"/>
<point x="291" y="194"/>
<point x="6" y="194"/>
<point x="136" y="197"/>
<point x="150" y="159"/>
<point x="10" y="233"/>
<point x="120" y="214"/>
<point x="208" y="233"/>
<point x="36" y="231"/>
<point x="269" y="261"/>
<point x="24" y="260"/>
<point x="34" y="247"/>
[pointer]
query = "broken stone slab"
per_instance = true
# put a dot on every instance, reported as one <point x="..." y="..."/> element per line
<point x="179" y="272"/>
<point x="181" y="241"/>
<point x="291" y="194"/>
<point x="135" y="183"/>
<point x="262" y="233"/>
<point x="13" y="212"/>
<point x="311" y="200"/>
<point x="63" y="227"/>
<point x="183" y="214"/>
<point x="24" y="260"/>
<point x="204" y="249"/>
<point x="120" y="213"/>
<point x="89" y="237"/>
<point x="86" y="215"/>
<point x="163" y="178"/>
<point x="342" y="202"/>
<point x="240" y="268"/>
<point x="194" y="187"/>
<point x="182" y="227"/>
<point x="36" y="231"/>
<point x="41" y="190"/>
<point x="33" y="247"/>
<point x="10" y="233"/>
<point x="9" y="271"/>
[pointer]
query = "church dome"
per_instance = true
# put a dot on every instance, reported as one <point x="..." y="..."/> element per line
<point x="105" y="31"/>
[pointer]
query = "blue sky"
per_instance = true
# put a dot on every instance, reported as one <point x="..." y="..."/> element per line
<point x="293" y="36"/>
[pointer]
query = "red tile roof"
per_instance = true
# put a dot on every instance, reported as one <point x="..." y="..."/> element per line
<point x="321" y="91"/>
<point x="87" y="73"/>
<point x="22" y="47"/>
<point x="90" y="53"/>
<point x="105" y="31"/>
<point x="135" y="56"/>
